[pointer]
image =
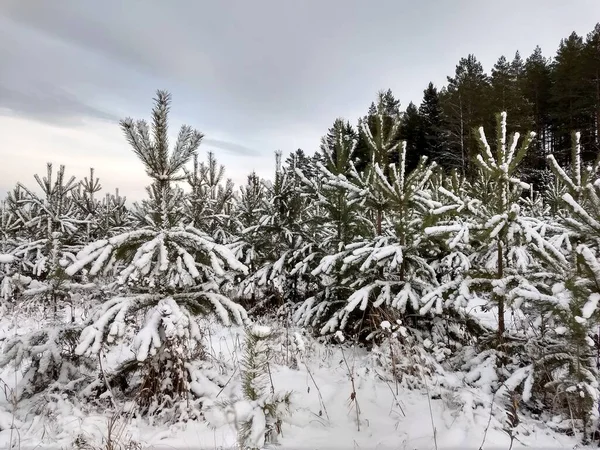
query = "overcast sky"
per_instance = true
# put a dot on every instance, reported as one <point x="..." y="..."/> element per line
<point x="253" y="76"/>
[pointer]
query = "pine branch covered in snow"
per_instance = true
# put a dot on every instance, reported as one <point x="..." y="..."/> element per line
<point x="51" y="364"/>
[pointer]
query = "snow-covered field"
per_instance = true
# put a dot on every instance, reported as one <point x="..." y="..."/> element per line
<point x="444" y="415"/>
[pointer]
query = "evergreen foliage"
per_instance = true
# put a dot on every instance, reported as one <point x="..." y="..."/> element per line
<point x="168" y="269"/>
<point x="259" y="413"/>
<point x="410" y="234"/>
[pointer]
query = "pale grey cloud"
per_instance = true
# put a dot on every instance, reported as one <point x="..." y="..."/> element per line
<point x="50" y="104"/>
<point x="230" y="147"/>
<point x="253" y="76"/>
<point x="277" y="61"/>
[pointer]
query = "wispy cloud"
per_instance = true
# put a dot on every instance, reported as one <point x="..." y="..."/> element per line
<point x="230" y="147"/>
<point x="49" y="104"/>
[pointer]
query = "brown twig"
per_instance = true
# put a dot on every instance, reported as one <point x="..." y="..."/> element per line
<point x="318" y="392"/>
<point x="112" y="396"/>
<point x="353" y="397"/>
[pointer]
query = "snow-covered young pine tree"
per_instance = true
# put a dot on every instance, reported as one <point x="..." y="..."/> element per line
<point x="505" y="241"/>
<point x="566" y="360"/>
<point x="258" y="413"/>
<point x="209" y="205"/>
<point x="53" y="224"/>
<point x="386" y="273"/>
<point x="338" y="219"/>
<point x="169" y="272"/>
<point x="50" y="228"/>
<point x="276" y="241"/>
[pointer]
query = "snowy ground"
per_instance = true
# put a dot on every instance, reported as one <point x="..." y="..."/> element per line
<point x="324" y="417"/>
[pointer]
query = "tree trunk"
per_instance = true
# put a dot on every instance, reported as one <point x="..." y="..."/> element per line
<point x="462" y="139"/>
<point x="500" y="298"/>
<point x="597" y="130"/>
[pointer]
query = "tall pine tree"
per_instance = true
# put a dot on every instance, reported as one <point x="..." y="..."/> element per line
<point x="411" y="132"/>
<point x="569" y="96"/>
<point x="591" y="62"/>
<point x="536" y="83"/>
<point x="466" y="107"/>
<point x="433" y="127"/>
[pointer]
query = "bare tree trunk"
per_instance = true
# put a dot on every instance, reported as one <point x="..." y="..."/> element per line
<point x="500" y="298"/>
<point x="597" y="130"/>
<point x="462" y="137"/>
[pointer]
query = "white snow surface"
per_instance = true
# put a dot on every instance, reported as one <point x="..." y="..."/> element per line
<point x="6" y="259"/>
<point x="324" y="417"/>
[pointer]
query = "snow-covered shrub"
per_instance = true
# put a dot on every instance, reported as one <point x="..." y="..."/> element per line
<point x="48" y="361"/>
<point x="260" y="412"/>
<point x="413" y="358"/>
